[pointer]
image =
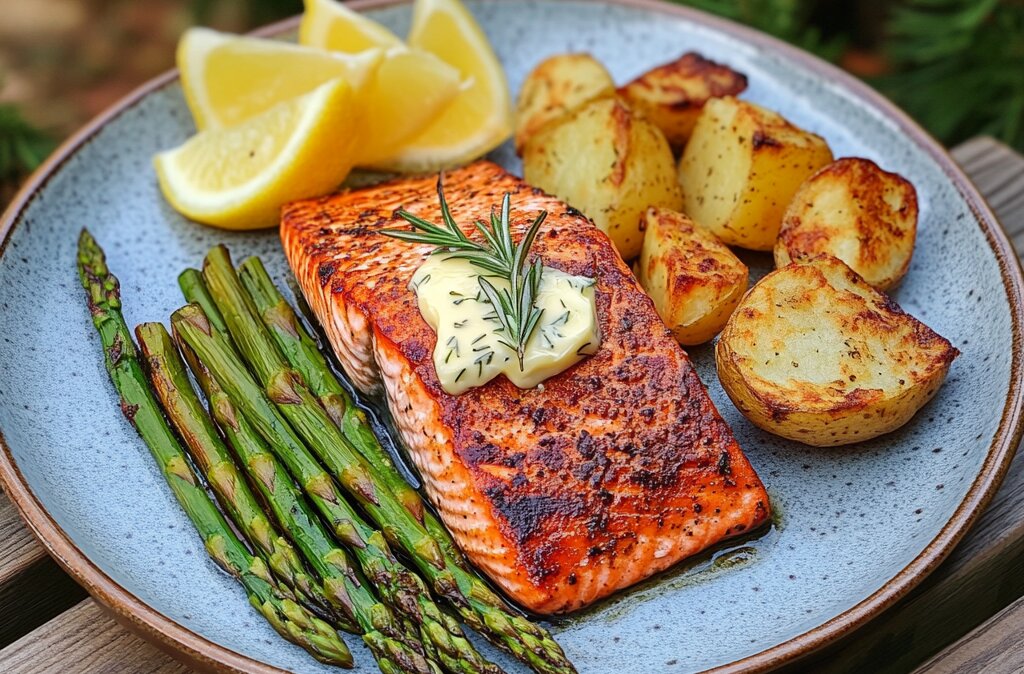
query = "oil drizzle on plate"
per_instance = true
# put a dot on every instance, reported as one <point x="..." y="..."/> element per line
<point x="731" y="555"/>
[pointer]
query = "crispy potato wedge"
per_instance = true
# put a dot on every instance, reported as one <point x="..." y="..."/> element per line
<point x="693" y="278"/>
<point x="857" y="212"/>
<point x="556" y="87"/>
<point x="815" y="354"/>
<point x="673" y="95"/>
<point x="741" y="168"/>
<point x="610" y="164"/>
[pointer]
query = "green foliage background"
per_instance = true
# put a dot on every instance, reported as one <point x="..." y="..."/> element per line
<point x="22" y="146"/>
<point x="957" y="66"/>
<point x="960" y="67"/>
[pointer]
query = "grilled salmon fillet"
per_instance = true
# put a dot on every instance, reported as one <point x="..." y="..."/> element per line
<point x="611" y="471"/>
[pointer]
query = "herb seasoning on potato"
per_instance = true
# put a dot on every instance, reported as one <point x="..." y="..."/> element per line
<point x="815" y="354"/>
<point x="741" y="168"/>
<point x="610" y="164"/>
<point x="672" y="95"/>
<point x="857" y="212"/>
<point x="693" y="278"/>
<point x="555" y="88"/>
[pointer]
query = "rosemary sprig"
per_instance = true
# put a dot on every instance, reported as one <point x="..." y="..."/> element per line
<point x="515" y="307"/>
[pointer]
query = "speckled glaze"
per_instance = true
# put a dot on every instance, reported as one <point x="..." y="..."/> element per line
<point x="857" y="526"/>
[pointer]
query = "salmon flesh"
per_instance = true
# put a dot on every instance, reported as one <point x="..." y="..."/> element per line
<point x="608" y="473"/>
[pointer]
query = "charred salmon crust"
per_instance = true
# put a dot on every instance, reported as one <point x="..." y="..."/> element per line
<point x="612" y="471"/>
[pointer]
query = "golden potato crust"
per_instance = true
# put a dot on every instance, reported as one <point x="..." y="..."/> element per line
<point x="815" y="354"/>
<point x="693" y="278"/>
<point x="556" y="87"/>
<point x="741" y="168"/>
<point x="608" y="163"/>
<point x="854" y="210"/>
<point x="673" y="94"/>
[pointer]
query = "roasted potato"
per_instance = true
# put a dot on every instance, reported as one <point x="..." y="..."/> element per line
<point x="608" y="163"/>
<point x="857" y="212"/>
<point x="555" y="88"/>
<point x="693" y="278"/>
<point x="741" y="168"/>
<point x="672" y="95"/>
<point x="815" y="354"/>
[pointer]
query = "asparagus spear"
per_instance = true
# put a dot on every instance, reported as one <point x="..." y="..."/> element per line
<point x="140" y="407"/>
<point x="468" y="594"/>
<point x="193" y="287"/>
<point x="170" y="381"/>
<point x="395" y="648"/>
<point x="303" y="354"/>
<point x="399" y="587"/>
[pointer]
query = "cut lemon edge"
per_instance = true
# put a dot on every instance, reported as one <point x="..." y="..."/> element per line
<point x="228" y="79"/>
<point x="329" y="24"/>
<point x="239" y="177"/>
<point x="480" y="118"/>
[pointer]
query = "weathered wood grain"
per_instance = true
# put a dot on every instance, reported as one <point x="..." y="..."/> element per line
<point x="85" y="640"/>
<point x="997" y="171"/>
<point x="33" y="588"/>
<point x="996" y="647"/>
<point x="983" y="575"/>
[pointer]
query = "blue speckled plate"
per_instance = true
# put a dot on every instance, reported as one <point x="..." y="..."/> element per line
<point x="859" y="526"/>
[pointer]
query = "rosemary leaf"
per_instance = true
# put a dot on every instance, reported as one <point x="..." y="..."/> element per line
<point x="515" y="308"/>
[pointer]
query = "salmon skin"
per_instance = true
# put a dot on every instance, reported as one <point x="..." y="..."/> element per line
<point x="611" y="471"/>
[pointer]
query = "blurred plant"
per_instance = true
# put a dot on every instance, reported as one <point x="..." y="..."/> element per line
<point x="257" y="12"/>
<point x="959" y="66"/>
<point x="22" y="146"/>
<point x="789" y="20"/>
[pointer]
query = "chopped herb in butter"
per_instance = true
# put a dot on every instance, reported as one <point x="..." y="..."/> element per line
<point x="471" y="348"/>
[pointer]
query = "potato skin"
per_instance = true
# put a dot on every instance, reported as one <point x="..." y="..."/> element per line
<point x="608" y="163"/>
<point x="857" y="212"/>
<point x="741" y="168"/>
<point x="815" y="354"/>
<point x="672" y="95"/>
<point x="556" y="87"/>
<point x="693" y="278"/>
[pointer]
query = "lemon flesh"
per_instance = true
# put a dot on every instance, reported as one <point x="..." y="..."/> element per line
<point x="228" y="79"/>
<point x="410" y="89"/>
<point x="480" y="118"/>
<point x="329" y="24"/>
<point x="240" y="176"/>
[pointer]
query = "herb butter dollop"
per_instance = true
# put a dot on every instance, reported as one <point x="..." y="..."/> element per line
<point x="470" y="349"/>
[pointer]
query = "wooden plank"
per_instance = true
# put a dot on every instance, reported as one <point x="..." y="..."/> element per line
<point x="996" y="647"/>
<point x="18" y="548"/>
<point x="986" y="571"/>
<point x="33" y="588"/>
<point x="996" y="170"/>
<point x="85" y="640"/>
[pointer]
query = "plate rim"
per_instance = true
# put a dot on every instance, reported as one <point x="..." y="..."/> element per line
<point x="203" y="653"/>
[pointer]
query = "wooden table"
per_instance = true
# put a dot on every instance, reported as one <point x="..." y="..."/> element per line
<point x="968" y="616"/>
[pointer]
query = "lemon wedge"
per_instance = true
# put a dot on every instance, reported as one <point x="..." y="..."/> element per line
<point x="240" y="176"/>
<point x="228" y="79"/>
<point x="480" y="118"/>
<point x="410" y="89"/>
<point x="329" y="24"/>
